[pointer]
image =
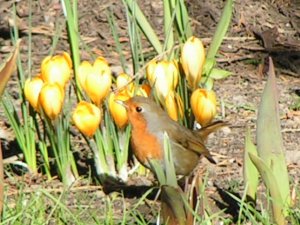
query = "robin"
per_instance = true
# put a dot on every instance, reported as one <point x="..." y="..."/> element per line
<point x="150" y="122"/>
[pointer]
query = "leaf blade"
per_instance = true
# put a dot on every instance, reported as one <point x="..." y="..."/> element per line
<point x="221" y="30"/>
<point x="8" y="68"/>
<point x="251" y="175"/>
<point x="271" y="183"/>
<point x="144" y="25"/>
<point x="269" y="139"/>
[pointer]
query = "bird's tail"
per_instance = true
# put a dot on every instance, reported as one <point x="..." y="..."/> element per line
<point x="205" y="131"/>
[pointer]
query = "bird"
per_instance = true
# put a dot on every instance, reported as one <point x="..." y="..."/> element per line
<point x="150" y="122"/>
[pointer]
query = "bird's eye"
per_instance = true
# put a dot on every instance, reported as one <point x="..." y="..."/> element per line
<point x="139" y="109"/>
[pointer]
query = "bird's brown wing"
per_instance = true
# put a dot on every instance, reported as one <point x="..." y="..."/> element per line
<point x="200" y="148"/>
<point x="197" y="138"/>
<point x="189" y="140"/>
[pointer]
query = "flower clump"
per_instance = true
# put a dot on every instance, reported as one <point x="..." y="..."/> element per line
<point x="96" y="81"/>
<point x="46" y="90"/>
<point x="164" y="77"/>
<point x="126" y="89"/>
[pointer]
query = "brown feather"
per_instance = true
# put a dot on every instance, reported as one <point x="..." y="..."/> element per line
<point x="205" y="131"/>
<point x="149" y="122"/>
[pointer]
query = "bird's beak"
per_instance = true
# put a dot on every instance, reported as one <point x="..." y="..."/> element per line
<point x="123" y="103"/>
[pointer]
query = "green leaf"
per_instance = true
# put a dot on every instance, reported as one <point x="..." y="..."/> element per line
<point x="71" y="16"/>
<point x="158" y="171"/>
<point x="168" y="26"/>
<point x="182" y="19"/>
<point x="219" y="74"/>
<point x="114" y="31"/>
<point x="222" y="28"/>
<point x="8" y="67"/>
<point x="208" y="83"/>
<point x="165" y="173"/>
<point x="269" y="140"/>
<point x="208" y="66"/>
<point x="173" y="206"/>
<point x="169" y="164"/>
<point x="251" y="175"/>
<point x="144" y="25"/>
<point x="271" y="182"/>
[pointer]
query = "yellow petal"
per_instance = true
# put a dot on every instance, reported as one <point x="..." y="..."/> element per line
<point x="143" y="90"/>
<point x="57" y="69"/>
<point x="84" y="69"/>
<point x="97" y="86"/>
<point x="124" y="83"/>
<point x="203" y="104"/>
<point x="51" y="99"/>
<point x="32" y="90"/>
<point x="192" y="60"/>
<point x="150" y="71"/>
<point x="174" y="105"/>
<point x="98" y="81"/>
<point x="172" y="69"/>
<point x="86" y="118"/>
<point x="164" y="76"/>
<point x="118" y="111"/>
<point x="101" y="66"/>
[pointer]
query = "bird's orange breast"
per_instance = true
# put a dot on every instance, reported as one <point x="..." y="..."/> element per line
<point x="145" y="145"/>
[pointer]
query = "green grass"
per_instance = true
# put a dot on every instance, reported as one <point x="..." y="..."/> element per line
<point x="49" y="203"/>
<point x="40" y="204"/>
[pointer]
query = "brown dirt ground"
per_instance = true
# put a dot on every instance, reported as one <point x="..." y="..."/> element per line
<point x="258" y="29"/>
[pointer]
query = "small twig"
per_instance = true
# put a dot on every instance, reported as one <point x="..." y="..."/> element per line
<point x="13" y="158"/>
<point x="219" y="155"/>
<point x="290" y="130"/>
<point x="290" y="73"/>
<point x="234" y="59"/>
<point x="56" y="190"/>
<point x="253" y="48"/>
<point x="47" y="31"/>
<point x="241" y="39"/>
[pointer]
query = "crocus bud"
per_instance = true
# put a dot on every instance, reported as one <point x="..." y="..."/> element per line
<point x="117" y="110"/>
<point x="150" y="71"/>
<point x="84" y="68"/>
<point x="32" y="90"/>
<point x="163" y="76"/>
<point x="203" y="104"/>
<point x="87" y="118"/>
<point x="174" y="105"/>
<point x="98" y="81"/>
<point x="192" y="60"/>
<point x="57" y="69"/>
<point x="143" y="90"/>
<point x="51" y="99"/>
<point x="124" y="83"/>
